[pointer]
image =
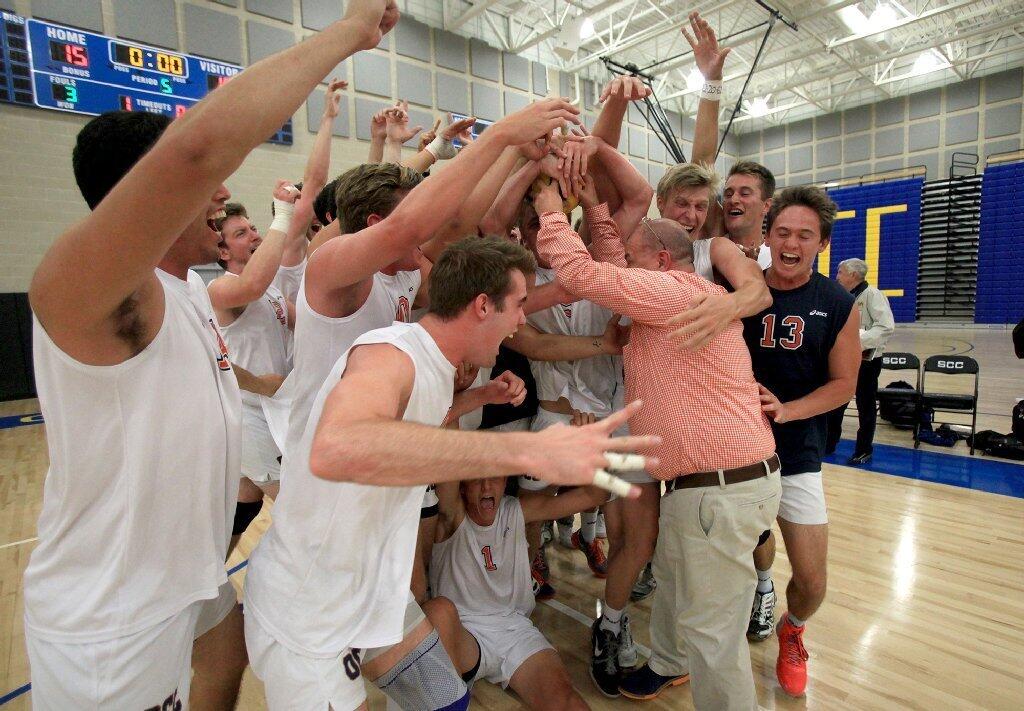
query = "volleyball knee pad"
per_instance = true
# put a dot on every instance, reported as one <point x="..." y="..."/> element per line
<point x="245" y="512"/>
<point x="426" y="679"/>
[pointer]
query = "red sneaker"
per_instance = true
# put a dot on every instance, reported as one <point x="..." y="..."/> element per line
<point x="595" y="555"/>
<point x="791" y="667"/>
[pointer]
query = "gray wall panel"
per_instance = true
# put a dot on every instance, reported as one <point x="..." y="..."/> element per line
<point x="414" y="83"/>
<point x="486" y="102"/>
<point x="774" y="137"/>
<point x="419" y="117"/>
<point x="655" y="149"/>
<point x="890" y="111"/>
<point x="450" y="51"/>
<point x="889" y="142"/>
<point x="315" y="110"/>
<point x="750" y="144"/>
<point x="963" y="95"/>
<point x="655" y="171"/>
<point x="264" y="40"/>
<point x="228" y="3"/>
<point x="1002" y="121"/>
<point x="566" y="85"/>
<point x="485" y="60"/>
<point x="827" y="126"/>
<point x="799" y="159"/>
<point x="827" y="174"/>
<point x="800" y="132"/>
<point x="86" y="14"/>
<point x="800" y="179"/>
<point x="339" y="72"/>
<point x="633" y="114"/>
<point x="857" y="119"/>
<point x="515" y="101"/>
<point x="1004" y="146"/>
<point x="540" y="79"/>
<point x="856" y="148"/>
<point x="154" y="22"/>
<point x="924" y="135"/>
<point x="318" y="14"/>
<point x="277" y="9"/>
<point x="828" y="153"/>
<point x="516" y="71"/>
<point x="775" y="162"/>
<point x="214" y="34"/>
<point x="926" y="103"/>
<point x="947" y="156"/>
<point x="412" y="39"/>
<point x="882" y="166"/>
<point x="372" y="73"/>
<point x="855" y="169"/>
<point x="452" y="93"/>
<point x="1005" y="85"/>
<point x="931" y="163"/>
<point x="366" y="108"/>
<point x="637" y="143"/>
<point x="960" y="129"/>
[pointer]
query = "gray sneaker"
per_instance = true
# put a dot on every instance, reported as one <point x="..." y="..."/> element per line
<point x="644" y="585"/>
<point x="627" y="647"/>
<point x="762" y="616"/>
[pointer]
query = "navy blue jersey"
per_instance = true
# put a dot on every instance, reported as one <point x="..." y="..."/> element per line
<point x="789" y="344"/>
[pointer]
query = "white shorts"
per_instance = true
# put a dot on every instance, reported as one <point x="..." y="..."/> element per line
<point x="213" y="611"/>
<point x="261" y="459"/>
<point x="295" y="681"/>
<point x="803" y="499"/>
<point x="505" y="644"/>
<point x="541" y="421"/>
<point x="148" y="669"/>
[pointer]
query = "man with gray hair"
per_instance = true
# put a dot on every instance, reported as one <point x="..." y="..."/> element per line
<point x="876" y="328"/>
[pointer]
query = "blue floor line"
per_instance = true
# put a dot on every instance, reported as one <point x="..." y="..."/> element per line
<point x="978" y="472"/>
<point x="21" y="420"/>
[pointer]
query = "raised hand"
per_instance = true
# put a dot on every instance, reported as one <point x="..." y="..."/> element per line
<point x="286" y="192"/>
<point x="378" y="127"/>
<point x="332" y="100"/>
<point x="706" y="317"/>
<point x="428" y="136"/>
<point x="461" y="129"/>
<point x="373" y="18"/>
<point x="625" y="89"/>
<point x="575" y="455"/>
<point x="585" y="190"/>
<point x="507" y="388"/>
<point x="465" y="375"/>
<point x="771" y="406"/>
<point x="710" y="58"/>
<point x="397" y="119"/>
<point x="547" y="199"/>
<point x="536" y="121"/>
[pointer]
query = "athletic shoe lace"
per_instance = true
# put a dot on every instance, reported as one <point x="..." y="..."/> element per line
<point x="795" y="652"/>
<point x="764" y="608"/>
<point x="626" y="636"/>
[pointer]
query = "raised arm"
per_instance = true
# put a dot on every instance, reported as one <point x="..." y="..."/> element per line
<point x="501" y="216"/>
<point x="109" y="255"/>
<point x="378" y="135"/>
<point x="537" y="345"/>
<point x="432" y="204"/>
<point x="635" y="191"/>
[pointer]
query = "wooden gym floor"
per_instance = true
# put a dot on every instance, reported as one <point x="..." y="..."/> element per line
<point x="926" y="581"/>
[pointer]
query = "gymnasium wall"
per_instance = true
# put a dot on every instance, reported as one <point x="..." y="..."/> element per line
<point x="1000" y="295"/>
<point x="981" y="116"/>
<point x="435" y="70"/>
<point x="880" y="223"/>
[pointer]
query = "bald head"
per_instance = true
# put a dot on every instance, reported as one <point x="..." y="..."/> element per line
<point x="668" y="235"/>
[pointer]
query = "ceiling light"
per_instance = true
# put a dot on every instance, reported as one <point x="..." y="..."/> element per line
<point x="928" y="61"/>
<point x="884" y="17"/>
<point x="694" y="80"/>
<point x="587" y="28"/>
<point x="853" y="18"/>
<point x="758" y="107"/>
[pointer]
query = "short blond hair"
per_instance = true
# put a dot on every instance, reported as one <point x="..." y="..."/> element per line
<point x="688" y="175"/>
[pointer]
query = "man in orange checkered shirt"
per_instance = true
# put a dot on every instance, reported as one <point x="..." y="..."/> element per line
<point x="717" y="454"/>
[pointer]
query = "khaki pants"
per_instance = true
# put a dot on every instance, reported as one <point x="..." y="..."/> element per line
<point x="705" y="571"/>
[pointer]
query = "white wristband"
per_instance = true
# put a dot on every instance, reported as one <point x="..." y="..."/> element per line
<point x="283" y="212"/>
<point x="712" y="90"/>
<point x="441" y="148"/>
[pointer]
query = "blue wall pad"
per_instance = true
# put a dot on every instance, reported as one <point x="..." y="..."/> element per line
<point x="996" y="476"/>
<point x="881" y="224"/>
<point x="1000" y="295"/>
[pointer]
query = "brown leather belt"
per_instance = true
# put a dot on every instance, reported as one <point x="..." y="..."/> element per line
<point x="729" y="476"/>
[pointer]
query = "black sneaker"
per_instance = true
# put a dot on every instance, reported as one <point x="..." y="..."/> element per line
<point x="762" y="616"/>
<point x="644" y="585"/>
<point x="604" y="665"/>
<point x="644" y="684"/>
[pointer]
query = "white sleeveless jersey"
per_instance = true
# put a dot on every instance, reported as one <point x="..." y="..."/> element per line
<point x="288" y="279"/>
<point x="702" y="258"/>
<point x="588" y="384"/>
<point x="485" y="570"/>
<point x="143" y="478"/>
<point x="333" y="571"/>
<point x="258" y="339"/>
<point x="321" y="340"/>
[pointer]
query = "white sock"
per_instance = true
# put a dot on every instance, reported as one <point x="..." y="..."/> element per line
<point x="611" y="619"/>
<point x="795" y="621"/>
<point x="589" y="528"/>
<point x="764" y="581"/>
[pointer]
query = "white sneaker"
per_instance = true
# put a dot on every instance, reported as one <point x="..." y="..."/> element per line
<point x="602" y="532"/>
<point x="565" y="532"/>
<point x="627" y="647"/>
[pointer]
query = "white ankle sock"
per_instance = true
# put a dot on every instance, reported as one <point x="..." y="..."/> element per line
<point x="588" y="530"/>
<point x="764" y="581"/>
<point x="611" y="619"/>
<point x="795" y="621"/>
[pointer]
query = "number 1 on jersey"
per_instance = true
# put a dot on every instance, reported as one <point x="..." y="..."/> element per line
<point x="488" y="558"/>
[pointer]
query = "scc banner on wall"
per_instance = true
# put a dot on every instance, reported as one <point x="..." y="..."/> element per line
<point x="881" y="224"/>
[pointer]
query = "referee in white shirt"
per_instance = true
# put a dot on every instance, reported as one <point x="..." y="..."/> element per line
<point x="876" y="328"/>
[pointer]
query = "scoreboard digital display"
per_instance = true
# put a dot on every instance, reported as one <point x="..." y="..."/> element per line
<point x="64" y="69"/>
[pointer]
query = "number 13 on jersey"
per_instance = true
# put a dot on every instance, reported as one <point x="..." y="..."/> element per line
<point x="792" y="341"/>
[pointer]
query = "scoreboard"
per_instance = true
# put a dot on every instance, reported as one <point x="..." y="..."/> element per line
<point x="64" y="69"/>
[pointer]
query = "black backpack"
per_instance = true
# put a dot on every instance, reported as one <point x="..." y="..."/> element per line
<point x="901" y="412"/>
<point x="1017" y="418"/>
